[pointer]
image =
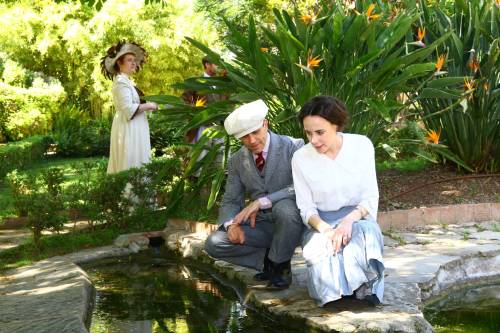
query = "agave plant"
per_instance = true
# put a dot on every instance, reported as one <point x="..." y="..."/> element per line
<point x="462" y="100"/>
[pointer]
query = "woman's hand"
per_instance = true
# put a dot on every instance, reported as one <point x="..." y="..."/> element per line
<point x="151" y="106"/>
<point x="340" y="236"/>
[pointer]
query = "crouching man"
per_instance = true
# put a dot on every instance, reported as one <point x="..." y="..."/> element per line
<point x="264" y="234"/>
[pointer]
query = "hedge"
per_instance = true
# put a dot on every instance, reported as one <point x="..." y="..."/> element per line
<point x="20" y="154"/>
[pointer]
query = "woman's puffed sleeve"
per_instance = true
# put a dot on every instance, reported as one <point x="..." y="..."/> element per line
<point x="370" y="195"/>
<point x="303" y="194"/>
<point x="123" y="99"/>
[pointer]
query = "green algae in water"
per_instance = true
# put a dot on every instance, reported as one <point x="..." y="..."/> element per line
<point x="471" y="310"/>
<point x="151" y="294"/>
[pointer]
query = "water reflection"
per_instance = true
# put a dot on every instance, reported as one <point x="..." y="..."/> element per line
<point x="471" y="310"/>
<point x="141" y="294"/>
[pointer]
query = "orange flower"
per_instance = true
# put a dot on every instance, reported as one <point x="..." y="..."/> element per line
<point x="369" y="12"/>
<point x="439" y="64"/>
<point x="433" y="137"/>
<point x="264" y="49"/>
<point x="420" y="37"/>
<point x="468" y="84"/>
<point x="421" y="34"/>
<point x="473" y="64"/>
<point x="313" y="62"/>
<point x="308" y="19"/>
<point x="200" y="102"/>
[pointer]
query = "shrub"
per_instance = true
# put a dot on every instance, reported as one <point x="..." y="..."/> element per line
<point x="28" y="111"/>
<point x="125" y="198"/>
<point x="19" y="184"/>
<point x="462" y="102"/>
<point x="77" y="134"/>
<point x="40" y="197"/>
<point x="18" y="155"/>
<point x="364" y="59"/>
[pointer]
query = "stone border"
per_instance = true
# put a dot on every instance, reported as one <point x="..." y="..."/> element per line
<point x="397" y="219"/>
<point x="451" y="214"/>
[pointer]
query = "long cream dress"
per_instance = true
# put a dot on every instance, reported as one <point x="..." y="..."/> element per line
<point x="130" y="143"/>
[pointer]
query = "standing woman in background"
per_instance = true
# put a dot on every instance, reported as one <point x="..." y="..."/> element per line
<point x="130" y="142"/>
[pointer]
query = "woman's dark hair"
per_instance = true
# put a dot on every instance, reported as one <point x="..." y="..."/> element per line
<point x="327" y="107"/>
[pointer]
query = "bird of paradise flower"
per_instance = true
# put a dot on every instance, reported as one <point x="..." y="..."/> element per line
<point x="312" y="62"/>
<point x="439" y="65"/>
<point x="433" y="136"/>
<point x="200" y="102"/>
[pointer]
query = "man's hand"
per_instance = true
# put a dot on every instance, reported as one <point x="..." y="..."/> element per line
<point x="249" y="212"/>
<point x="235" y="234"/>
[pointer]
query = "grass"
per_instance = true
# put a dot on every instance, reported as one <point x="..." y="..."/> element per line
<point x="53" y="245"/>
<point x="392" y="234"/>
<point x="465" y="234"/>
<point x="406" y="165"/>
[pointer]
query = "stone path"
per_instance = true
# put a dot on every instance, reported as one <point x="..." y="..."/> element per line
<point x="55" y="295"/>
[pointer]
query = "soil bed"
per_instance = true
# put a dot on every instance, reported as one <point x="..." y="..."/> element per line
<point x="460" y="191"/>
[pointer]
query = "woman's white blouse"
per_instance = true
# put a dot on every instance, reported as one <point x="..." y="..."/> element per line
<point x="326" y="184"/>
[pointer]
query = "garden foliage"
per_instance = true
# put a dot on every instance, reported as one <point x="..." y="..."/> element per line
<point x="361" y="55"/>
<point x="77" y="134"/>
<point x="66" y="39"/>
<point x="28" y="111"/>
<point x="462" y="103"/>
<point x="40" y="198"/>
<point x="125" y="199"/>
<point x="18" y="155"/>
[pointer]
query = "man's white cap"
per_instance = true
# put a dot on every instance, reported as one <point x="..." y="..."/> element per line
<point x="246" y="119"/>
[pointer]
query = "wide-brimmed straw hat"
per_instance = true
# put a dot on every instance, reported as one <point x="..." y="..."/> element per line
<point x="116" y="51"/>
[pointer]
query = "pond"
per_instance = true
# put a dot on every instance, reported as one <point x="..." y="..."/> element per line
<point x="155" y="292"/>
<point x="470" y="310"/>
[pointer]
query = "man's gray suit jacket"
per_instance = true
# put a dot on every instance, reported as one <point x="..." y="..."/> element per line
<point x="275" y="181"/>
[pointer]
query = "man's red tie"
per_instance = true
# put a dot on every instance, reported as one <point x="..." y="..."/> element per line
<point x="260" y="161"/>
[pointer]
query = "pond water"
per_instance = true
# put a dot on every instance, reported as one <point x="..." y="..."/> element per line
<point x="155" y="293"/>
<point x="471" y="310"/>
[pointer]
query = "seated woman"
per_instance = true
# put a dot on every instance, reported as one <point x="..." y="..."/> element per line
<point x="336" y="192"/>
